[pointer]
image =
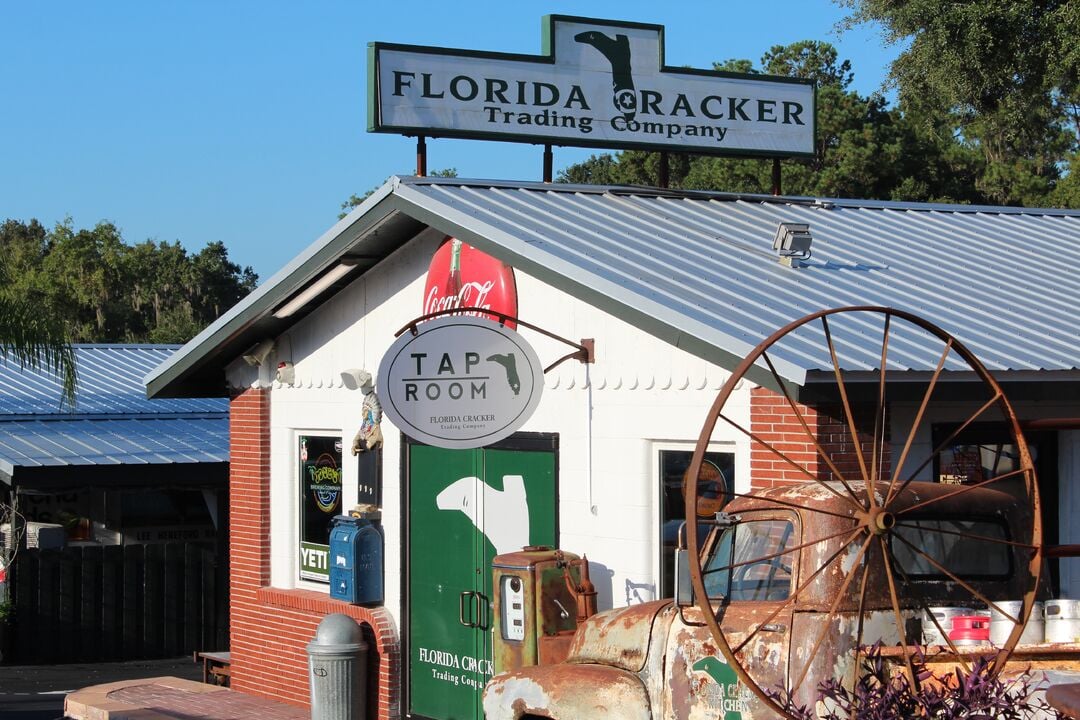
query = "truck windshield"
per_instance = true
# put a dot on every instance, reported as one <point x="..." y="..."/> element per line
<point x="963" y="547"/>
<point x="748" y="562"/>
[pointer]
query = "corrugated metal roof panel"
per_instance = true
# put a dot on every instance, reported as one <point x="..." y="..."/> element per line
<point x="39" y="443"/>
<point x="1005" y="280"/>
<point x="697" y="269"/>
<point x="110" y="383"/>
<point x="113" y="422"/>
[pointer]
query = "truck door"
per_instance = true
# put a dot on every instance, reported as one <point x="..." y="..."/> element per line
<point x="750" y="577"/>
<point x="463" y="508"/>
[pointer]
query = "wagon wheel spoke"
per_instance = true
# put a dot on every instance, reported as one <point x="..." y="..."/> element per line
<point x="793" y="506"/>
<point x="964" y="489"/>
<point x="859" y="625"/>
<point x="847" y="410"/>
<point x="832" y="611"/>
<point x="918" y="421"/>
<point x="886" y="562"/>
<point x="810" y="433"/>
<point x="794" y="595"/>
<point x="877" y="448"/>
<point x="968" y="535"/>
<point x="951" y="575"/>
<point x="801" y="468"/>
<point x="948" y="441"/>
<point x="787" y="551"/>
<point x="927" y="612"/>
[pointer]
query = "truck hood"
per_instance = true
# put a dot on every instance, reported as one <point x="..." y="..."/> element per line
<point x="619" y="638"/>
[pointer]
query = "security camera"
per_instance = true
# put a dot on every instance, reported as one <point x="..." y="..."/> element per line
<point x="257" y="354"/>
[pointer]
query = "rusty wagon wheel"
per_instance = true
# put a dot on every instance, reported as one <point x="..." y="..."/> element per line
<point x="884" y="552"/>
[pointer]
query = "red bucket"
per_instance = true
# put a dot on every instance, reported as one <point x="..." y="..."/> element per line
<point x="970" y="630"/>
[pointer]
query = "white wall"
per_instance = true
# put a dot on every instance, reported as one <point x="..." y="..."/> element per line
<point x="612" y="417"/>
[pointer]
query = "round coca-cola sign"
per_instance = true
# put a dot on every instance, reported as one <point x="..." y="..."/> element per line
<point x="462" y="276"/>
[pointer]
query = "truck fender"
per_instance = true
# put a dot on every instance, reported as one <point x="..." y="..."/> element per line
<point x="567" y="692"/>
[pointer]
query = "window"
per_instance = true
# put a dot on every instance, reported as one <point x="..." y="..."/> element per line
<point x="717" y="481"/>
<point x="981" y="452"/>
<point x="320" y="501"/>
<point x="957" y="545"/>
<point x="748" y="562"/>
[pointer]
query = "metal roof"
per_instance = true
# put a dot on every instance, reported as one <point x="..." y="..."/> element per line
<point x="112" y="421"/>
<point x="698" y="270"/>
<point x="42" y="443"/>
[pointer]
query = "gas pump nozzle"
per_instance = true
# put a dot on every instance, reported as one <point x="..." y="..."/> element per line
<point x="584" y="591"/>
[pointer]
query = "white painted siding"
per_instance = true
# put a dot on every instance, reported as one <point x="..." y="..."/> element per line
<point x="611" y="417"/>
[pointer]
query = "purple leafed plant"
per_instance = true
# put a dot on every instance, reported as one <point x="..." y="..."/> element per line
<point x="882" y="694"/>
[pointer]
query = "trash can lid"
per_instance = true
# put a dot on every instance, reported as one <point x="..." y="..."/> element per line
<point x="338" y="629"/>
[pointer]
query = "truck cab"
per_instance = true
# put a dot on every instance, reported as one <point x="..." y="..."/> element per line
<point x="800" y="582"/>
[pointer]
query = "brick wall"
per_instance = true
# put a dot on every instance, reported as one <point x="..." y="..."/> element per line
<point x="775" y="423"/>
<point x="270" y="628"/>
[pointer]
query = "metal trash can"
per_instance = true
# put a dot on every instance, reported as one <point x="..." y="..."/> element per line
<point x="337" y="661"/>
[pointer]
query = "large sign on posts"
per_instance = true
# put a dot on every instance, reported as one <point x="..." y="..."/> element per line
<point x="460" y="382"/>
<point x="598" y="83"/>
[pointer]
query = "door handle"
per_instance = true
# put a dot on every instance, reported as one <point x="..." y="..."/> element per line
<point x="461" y="608"/>
<point x="483" y="608"/>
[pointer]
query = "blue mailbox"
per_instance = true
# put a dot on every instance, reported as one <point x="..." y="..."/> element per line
<point x="356" y="559"/>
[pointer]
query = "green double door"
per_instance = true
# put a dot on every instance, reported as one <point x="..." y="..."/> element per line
<point x="465" y="507"/>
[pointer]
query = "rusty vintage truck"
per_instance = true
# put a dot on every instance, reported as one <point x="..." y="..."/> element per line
<point x="800" y="582"/>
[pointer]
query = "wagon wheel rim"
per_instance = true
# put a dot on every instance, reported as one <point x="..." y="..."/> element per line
<point x="879" y="507"/>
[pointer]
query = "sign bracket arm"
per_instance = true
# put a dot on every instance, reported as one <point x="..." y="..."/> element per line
<point x="585" y="351"/>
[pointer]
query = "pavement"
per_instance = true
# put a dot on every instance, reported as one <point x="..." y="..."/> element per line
<point x="136" y="690"/>
<point x="171" y="698"/>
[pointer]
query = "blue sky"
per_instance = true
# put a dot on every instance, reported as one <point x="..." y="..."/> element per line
<point x="245" y="121"/>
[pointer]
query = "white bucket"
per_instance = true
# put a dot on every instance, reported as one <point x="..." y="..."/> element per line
<point x="1001" y="626"/>
<point x="943" y="615"/>
<point x="1062" y="621"/>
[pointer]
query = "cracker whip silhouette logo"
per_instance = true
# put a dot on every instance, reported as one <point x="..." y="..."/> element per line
<point x="617" y="52"/>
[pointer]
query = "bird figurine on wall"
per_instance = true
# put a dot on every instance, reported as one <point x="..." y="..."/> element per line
<point x="617" y="52"/>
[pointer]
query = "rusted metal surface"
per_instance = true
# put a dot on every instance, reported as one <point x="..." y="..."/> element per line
<point x="816" y="579"/>
<point x="619" y="638"/>
<point x="860" y="490"/>
<point x="1065" y="699"/>
<point x="554" y="648"/>
<point x="566" y="692"/>
<point x="558" y="580"/>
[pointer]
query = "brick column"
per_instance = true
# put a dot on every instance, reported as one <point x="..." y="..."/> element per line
<point x="270" y="628"/>
<point x="774" y="422"/>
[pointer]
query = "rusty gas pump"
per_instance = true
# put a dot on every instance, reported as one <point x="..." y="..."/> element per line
<point x="541" y="596"/>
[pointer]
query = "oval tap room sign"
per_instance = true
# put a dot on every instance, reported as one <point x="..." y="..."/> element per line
<point x="460" y="382"/>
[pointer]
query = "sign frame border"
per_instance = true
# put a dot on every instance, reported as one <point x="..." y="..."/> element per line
<point x="547" y="57"/>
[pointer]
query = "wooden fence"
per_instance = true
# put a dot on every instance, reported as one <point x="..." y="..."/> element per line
<point x="88" y="604"/>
